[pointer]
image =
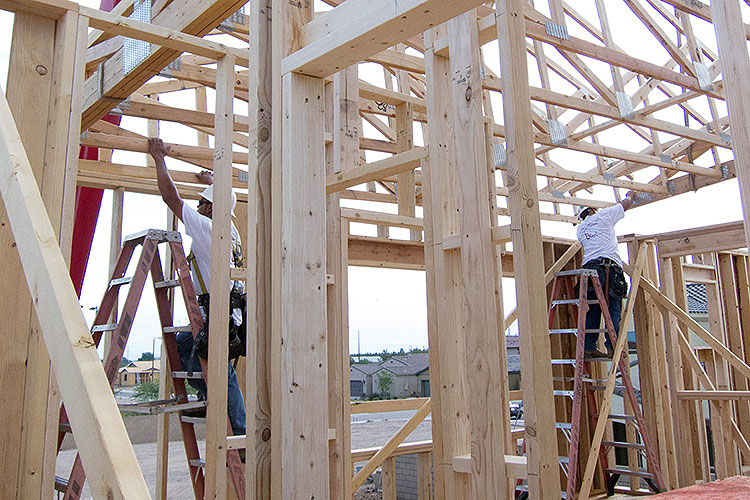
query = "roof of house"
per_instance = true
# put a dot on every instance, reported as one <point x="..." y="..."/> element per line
<point x="409" y="364"/>
<point x="140" y="366"/>
<point x="697" y="301"/>
<point x="366" y="368"/>
<point x="512" y="341"/>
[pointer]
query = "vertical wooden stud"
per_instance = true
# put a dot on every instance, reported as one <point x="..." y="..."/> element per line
<point x="221" y="244"/>
<point x="536" y="368"/>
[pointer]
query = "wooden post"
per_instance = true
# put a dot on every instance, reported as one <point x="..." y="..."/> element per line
<point x="536" y="367"/>
<point x="732" y="43"/>
<point x="448" y="384"/>
<point x="731" y="310"/>
<point x="388" y="478"/>
<point x="221" y="244"/>
<point x="424" y="476"/>
<point x="258" y="262"/>
<point x="304" y="438"/>
<point x="341" y="155"/>
<point x="45" y="102"/>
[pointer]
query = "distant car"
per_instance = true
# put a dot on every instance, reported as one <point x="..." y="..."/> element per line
<point x="516" y="409"/>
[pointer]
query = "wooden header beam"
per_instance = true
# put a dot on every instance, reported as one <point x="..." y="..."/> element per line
<point x="358" y="29"/>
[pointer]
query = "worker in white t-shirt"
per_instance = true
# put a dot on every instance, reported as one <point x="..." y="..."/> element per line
<point x="596" y="232"/>
<point x="198" y="227"/>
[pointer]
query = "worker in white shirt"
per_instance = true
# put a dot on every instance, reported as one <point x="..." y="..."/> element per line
<point x="596" y="232"/>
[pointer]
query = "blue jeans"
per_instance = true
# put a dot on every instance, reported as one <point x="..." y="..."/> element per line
<point x="235" y="401"/>
<point x="593" y="317"/>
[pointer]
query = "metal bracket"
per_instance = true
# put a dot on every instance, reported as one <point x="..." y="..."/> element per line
<point x="625" y="103"/>
<point x="608" y="177"/>
<point x="242" y="176"/>
<point x="665" y="158"/>
<point x="124" y="105"/>
<point x="557" y="133"/>
<point x="135" y="51"/>
<point x="175" y="65"/>
<point x="501" y="158"/>
<point x="726" y="138"/>
<point x="671" y="187"/>
<point x="704" y="77"/>
<point x="724" y="172"/>
<point x="238" y="18"/>
<point x="556" y="193"/>
<point x="481" y="73"/>
<point x="557" y="30"/>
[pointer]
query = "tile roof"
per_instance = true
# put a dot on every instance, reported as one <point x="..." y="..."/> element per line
<point x="696" y="298"/>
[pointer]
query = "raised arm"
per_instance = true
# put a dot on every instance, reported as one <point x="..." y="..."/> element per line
<point x="167" y="189"/>
<point x="627" y="202"/>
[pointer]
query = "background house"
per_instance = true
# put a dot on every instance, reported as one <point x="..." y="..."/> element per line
<point x="137" y="372"/>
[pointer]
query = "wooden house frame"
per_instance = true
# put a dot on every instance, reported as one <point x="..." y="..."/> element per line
<point x="305" y="150"/>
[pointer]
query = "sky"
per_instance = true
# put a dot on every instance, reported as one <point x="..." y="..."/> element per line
<point x="387" y="308"/>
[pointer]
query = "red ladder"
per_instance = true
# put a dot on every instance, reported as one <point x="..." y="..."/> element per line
<point x="150" y="261"/>
<point x="652" y="474"/>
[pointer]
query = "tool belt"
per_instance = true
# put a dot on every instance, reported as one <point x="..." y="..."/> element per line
<point x="611" y="278"/>
<point x="237" y="333"/>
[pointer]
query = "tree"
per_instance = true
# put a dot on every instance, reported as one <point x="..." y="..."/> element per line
<point x="146" y="356"/>
<point x="384" y="381"/>
<point x="385" y="356"/>
<point x="125" y="362"/>
<point x="146" y="391"/>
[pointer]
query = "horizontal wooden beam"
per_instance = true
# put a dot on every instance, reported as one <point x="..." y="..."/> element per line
<point x="729" y="236"/>
<point x="51" y="9"/>
<point x="358" y="407"/>
<point x="363" y="454"/>
<point x="178" y="151"/>
<point x="714" y="395"/>
<point x="500" y="235"/>
<point x="358" y="29"/>
<point x="514" y="465"/>
<point x="132" y="173"/>
<point x="396" y="164"/>
<point x="391" y="220"/>
<point x="382" y="252"/>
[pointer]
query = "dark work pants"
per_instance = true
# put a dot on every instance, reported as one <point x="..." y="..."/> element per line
<point x="593" y="317"/>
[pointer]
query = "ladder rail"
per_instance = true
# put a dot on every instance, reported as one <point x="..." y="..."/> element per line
<point x="624" y="365"/>
<point x="575" y="434"/>
<point x="119" y="340"/>
<point x="653" y="464"/>
<point x="189" y="439"/>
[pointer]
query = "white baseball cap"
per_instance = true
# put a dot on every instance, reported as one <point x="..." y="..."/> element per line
<point x="208" y="194"/>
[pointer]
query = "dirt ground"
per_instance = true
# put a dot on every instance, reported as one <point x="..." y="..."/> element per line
<point x="142" y="431"/>
<point x="367" y="492"/>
